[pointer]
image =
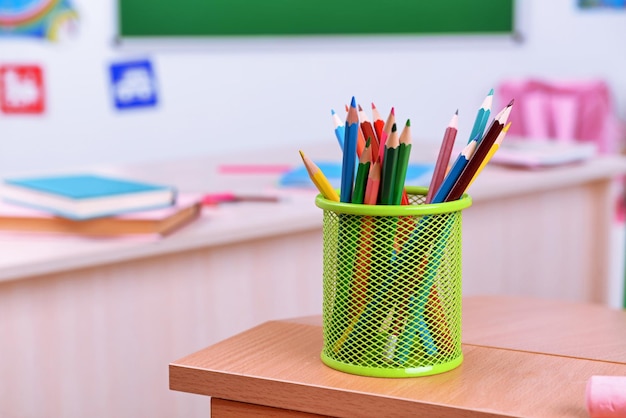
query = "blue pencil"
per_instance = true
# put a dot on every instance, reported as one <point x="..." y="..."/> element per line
<point x="482" y="117"/>
<point x="339" y="127"/>
<point x="454" y="173"/>
<point x="349" y="153"/>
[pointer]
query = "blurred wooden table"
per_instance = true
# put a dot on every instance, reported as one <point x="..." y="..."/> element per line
<point x="523" y="357"/>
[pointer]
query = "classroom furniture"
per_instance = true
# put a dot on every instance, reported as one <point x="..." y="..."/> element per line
<point x="92" y="322"/>
<point x="565" y="111"/>
<point x="524" y="357"/>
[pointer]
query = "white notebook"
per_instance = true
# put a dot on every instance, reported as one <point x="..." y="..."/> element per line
<point x="535" y="153"/>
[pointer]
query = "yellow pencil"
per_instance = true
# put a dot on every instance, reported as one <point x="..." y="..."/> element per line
<point x="319" y="179"/>
<point x="492" y="150"/>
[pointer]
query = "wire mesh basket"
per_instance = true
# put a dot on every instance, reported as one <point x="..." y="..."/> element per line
<point x="392" y="286"/>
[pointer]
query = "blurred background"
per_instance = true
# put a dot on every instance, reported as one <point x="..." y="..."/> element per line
<point x="221" y="95"/>
<point x="87" y="97"/>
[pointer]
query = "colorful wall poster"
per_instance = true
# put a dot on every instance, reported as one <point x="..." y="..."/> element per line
<point x="45" y="19"/>
<point x="22" y="89"/>
<point x="602" y="4"/>
<point x="133" y="84"/>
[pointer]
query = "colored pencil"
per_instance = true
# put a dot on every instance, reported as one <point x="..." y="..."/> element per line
<point x="339" y="127"/>
<point x="362" y="174"/>
<point x="378" y="124"/>
<point x="482" y="117"/>
<point x="254" y="168"/>
<point x="349" y="153"/>
<point x="479" y="155"/>
<point x="391" y="120"/>
<point x="368" y="132"/>
<point x="360" y="142"/>
<point x="360" y="282"/>
<point x="443" y="159"/>
<point x="319" y="179"/>
<point x="390" y="162"/>
<point x="373" y="184"/>
<point x="213" y="199"/>
<point x="454" y="173"/>
<point x="402" y="165"/>
<point x="416" y="324"/>
<point x="492" y="151"/>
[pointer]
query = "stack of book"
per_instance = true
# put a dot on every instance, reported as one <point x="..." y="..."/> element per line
<point x="93" y="205"/>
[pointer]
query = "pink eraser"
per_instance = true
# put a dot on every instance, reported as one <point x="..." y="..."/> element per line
<point x="606" y="397"/>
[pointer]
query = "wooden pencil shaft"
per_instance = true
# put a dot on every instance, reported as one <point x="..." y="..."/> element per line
<point x="368" y="133"/>
<point x="360" y="183"/>
<point x="404" y="152"/>
<point x="389" y="167"/>
<point x="349" y="154"/>
<point x="443" y="160"/>
<point x="472" y="166"/>
<point x="388" y="176"/>
<point x="373" y="184"/>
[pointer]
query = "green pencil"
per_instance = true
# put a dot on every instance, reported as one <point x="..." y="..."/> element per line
<point x="362" y="173"/>
<point x="404" y="151"/>
<point x="390" y="161"/>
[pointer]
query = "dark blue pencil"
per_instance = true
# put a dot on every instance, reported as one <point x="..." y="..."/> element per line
<point x="349" y="153"/>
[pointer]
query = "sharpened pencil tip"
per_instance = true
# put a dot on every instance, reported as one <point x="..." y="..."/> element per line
<point x="457" y="112"/>
<point x="301" y="154"/>
<point x="360" y="108"/>
<point x="373" y="105"/>
<point x="332" y="111"/>
<point x="353" y="102"/>
<point x="393" y="128"/>
<point x="408" y="122"/>
<point x="490" y="92"/>
<point x="393" y="111"/>
<point x="511" y="102"/>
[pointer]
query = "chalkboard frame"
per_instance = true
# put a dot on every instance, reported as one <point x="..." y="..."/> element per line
<point x="214" y="19"/>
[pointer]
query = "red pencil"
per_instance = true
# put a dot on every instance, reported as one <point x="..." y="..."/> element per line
<point x="444" y="157"/>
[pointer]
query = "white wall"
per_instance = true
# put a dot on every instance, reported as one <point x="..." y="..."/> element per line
<point x="228" y="94"/>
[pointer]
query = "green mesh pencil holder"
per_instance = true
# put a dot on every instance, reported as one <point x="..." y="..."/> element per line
<point x="392" y="286"/>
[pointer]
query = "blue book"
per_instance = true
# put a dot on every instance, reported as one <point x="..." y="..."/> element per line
<point x="417" y="174"/>
<point x="86" y="196"/>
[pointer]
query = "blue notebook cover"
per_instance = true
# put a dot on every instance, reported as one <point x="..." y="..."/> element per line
<point x="83" y="186"/>
<point x="85" y="196"/>
<point x="418" y="174"/>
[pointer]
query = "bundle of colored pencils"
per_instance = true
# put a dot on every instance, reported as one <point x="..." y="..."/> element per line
<point x="383" y="156"/>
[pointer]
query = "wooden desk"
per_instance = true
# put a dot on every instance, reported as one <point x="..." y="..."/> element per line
<point x="523" y="357"/>
<point x="93" y="317"/>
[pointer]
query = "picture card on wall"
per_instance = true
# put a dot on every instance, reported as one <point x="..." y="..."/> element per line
<point x="45" y="19"/>
<point x="22" y="89"/>
<point x="133" y="84"/>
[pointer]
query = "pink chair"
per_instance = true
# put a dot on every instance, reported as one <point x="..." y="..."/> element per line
<point x="563" y="111"/>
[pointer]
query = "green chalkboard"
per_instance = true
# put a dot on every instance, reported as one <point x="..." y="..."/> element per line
<point x="199" y="18"/>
